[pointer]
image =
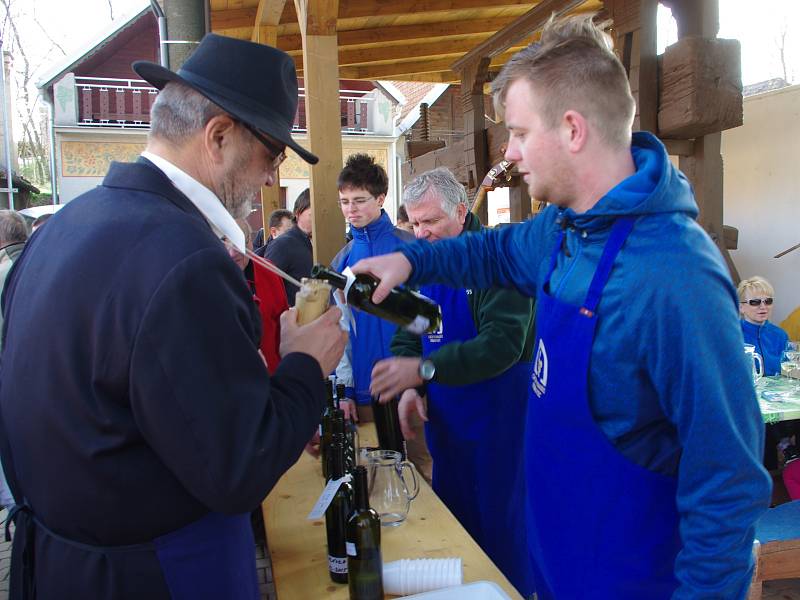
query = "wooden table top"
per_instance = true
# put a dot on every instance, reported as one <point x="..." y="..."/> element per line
<point x="297" y="545"/>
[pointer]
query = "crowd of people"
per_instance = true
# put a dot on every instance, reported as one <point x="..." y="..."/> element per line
<point x="569" y="411"/>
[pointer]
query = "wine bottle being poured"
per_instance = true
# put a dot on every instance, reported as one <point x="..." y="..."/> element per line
<point x="408" y="309"/>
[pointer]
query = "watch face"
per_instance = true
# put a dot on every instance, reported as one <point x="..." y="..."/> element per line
<point x="427" y="370"/>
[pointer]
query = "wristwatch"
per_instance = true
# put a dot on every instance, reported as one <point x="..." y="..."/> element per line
<point x="427" y="370"/>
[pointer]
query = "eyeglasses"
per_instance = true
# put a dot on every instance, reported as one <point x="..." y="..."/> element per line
<point x="758" y="301"/>
<point x="278" y="154"/>
<point x="355" y="202"/>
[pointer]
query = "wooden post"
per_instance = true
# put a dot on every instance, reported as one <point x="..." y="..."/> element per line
<point x="317" y="19"/>
<point x="519" y="200"/>
<point x="473" y="76"/>
<point x="704" y="166"/>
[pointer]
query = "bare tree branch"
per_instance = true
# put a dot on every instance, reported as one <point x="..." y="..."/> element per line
<point x="111" y="10"/>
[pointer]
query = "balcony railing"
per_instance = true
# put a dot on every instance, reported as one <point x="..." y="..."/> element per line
<point x="125" y="103"/>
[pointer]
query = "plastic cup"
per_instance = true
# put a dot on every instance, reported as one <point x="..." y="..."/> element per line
<point x="413" y="576"/>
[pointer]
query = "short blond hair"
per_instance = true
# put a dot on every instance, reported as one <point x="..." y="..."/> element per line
<point x="574" y="67"/>
<point x="754" y="285"/>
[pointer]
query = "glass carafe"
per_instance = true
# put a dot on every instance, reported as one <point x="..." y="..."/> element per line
<point x="755" y="359"/>
<point x="389" y="493"/>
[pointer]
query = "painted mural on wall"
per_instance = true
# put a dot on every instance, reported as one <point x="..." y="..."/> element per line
<point x="296" y="168"/>
<point x="92" y="159"/>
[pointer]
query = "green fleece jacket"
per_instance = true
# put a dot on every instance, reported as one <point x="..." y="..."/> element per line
<point x="505" y="325"/>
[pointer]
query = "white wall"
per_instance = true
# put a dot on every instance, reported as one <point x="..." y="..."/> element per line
<point x="762" y="192"/>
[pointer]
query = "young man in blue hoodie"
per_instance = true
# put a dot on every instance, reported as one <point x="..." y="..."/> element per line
<point x="644" y="437"/>
<point x="363" y="185"/>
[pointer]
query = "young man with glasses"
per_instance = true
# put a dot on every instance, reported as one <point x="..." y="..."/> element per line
<point x="363" y="185"/>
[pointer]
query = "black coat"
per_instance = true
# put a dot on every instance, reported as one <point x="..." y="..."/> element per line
<point x="292" y="253"/>
<point x="132" y="393"/>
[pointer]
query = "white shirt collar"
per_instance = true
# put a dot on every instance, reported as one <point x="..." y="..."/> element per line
<point x="221" y="221"/>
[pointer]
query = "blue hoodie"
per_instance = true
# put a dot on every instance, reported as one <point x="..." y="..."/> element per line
<point x="669" y="383"/>
<point x="372" y="337"/>
<point x="770" y="342"/>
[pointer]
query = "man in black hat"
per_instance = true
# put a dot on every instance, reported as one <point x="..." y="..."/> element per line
<point x="137" y="440"/>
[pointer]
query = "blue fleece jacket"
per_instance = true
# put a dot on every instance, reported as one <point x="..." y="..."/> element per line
<point x="770" y="342"/>
<point x="669" y="384"/>
<point x="370" y="341"/>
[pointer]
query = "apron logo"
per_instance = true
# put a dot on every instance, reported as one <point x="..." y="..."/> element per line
<point x="539" y="376"/>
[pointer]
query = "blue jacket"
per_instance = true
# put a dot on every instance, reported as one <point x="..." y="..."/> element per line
<point x="770" y="342"/>
<point x="669" y="383"/>
<point x="370" y="341"/>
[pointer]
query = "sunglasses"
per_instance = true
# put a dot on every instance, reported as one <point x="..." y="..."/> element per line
<point x="278" y="153"/>
<point x="758" y="301"/>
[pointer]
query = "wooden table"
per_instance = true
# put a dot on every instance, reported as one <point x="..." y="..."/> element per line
<point x="297" y="545"/>
<point x="779" y="398"/>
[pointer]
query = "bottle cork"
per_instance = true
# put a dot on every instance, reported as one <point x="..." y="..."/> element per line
<point x="312" y="299"/>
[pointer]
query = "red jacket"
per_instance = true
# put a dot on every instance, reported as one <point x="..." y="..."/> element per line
<point x="270" y="297"/>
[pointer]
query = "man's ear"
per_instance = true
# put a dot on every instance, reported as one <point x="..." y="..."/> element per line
<point x="217" y="134"/>
<point x="575" y="128"/>
<point x="380" y="200"/>
<point x="461" y="213"/>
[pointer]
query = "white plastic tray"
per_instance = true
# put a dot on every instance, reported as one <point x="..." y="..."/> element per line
<point x="477" y="590"/>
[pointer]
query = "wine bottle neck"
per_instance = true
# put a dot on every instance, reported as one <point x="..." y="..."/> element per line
<point x="337" y="459"/>
<point x="360" y="491"/>
<point x="336" y="279"/>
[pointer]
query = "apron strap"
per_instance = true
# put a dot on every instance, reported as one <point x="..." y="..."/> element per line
<point x="619" y="233"/>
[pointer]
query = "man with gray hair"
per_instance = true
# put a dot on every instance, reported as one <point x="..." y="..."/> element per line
<point x="475" y="370"/>
<point x="13" y="235"/>
<point x="139" y="437"/>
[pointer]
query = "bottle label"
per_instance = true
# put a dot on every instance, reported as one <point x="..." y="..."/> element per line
<point x="336" y="564"/>
<point x="419" y="325"/>
<point x="326" y="497"/>
<point x="351" y="549"/>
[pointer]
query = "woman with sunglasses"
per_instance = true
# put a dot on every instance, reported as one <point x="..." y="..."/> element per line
<point x="755" y="307"/>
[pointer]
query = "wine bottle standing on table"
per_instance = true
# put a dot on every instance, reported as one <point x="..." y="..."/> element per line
<point x="338" y="436"/>
<point x="364" y="562"/>
<point x="408" y="309"/>
<point x="326" y="428"/>
<point x="336" y="516"/>
<point x="387" y="426"/>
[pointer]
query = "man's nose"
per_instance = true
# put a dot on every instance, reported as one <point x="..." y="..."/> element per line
<point x="512" y="151"/>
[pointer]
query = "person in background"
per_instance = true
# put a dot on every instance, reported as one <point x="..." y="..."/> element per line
<point x="140" y="436"/>
<point x="40" y="220"/>
<point x="644" y="436"/>
<point x="292" y="251"/>
<point x="269" y="296"/>
<point x="483" y="351"/>
<point x="402" y="219"/>
<point x="756" y="296"/>
<point x="280" y="221"/>
<point x="363" y="185"/>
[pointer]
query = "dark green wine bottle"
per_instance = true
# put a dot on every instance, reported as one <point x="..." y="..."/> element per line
<point x="336" y="517"/>
<point x="387" y="426"/>
<point x="408" y="309"/>
<point x="364" y="562"/>
<point x="340" y="394"/>
<point x="339" y="436"/>
<point x="326" y="428"/>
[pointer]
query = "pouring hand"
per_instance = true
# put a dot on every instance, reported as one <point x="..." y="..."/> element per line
<point x="410" y="402"/>
<point x="392" y="270"/>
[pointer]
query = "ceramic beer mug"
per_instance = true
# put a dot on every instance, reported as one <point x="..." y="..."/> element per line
<point x="755" y="357"/>
<point x="389" y="493"/>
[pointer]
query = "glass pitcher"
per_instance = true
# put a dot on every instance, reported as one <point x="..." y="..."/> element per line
<point x="389" y="494"/>
<point x="755" y="358"/>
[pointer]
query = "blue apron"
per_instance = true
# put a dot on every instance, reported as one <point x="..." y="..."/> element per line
<point x="600" y="525"/>
<point x="475" y="437"/>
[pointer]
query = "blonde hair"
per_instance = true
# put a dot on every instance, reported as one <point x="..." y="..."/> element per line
<point x="754" y="285"/>
<point x="573" y="67"/>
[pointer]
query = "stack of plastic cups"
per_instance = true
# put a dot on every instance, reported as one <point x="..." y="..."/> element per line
<point x="413" y="576"/>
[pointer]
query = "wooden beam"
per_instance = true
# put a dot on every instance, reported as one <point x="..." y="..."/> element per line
<point x="409" y="68"/>
<point x="265" y="25"/>
<point x="317" y="20"/>
<point x="527" y="24"/>
<point x="406" y="51"/>
<point x="243" y="17"/>
<point x="679" y="147"/>
<point x="404" y="33"/>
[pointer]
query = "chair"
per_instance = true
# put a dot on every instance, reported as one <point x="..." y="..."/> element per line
<point x="777" y="546"/>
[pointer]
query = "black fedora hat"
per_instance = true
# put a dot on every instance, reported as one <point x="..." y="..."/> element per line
<point x="255" y="83"/>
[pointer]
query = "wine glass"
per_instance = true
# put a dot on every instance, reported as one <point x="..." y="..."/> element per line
<point x="791" y="360"/>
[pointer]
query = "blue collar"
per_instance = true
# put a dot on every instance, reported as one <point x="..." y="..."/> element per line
<point x="380" y="226"/>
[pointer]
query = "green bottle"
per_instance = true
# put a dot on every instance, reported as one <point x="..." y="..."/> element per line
<point x="326" y="428"/>
<point x="364" y="562"/>
<point x="339" y="436"/>
<point x="408" y="309"/>
<point x="387" y="426"/>
<point x="336" y="517"/>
